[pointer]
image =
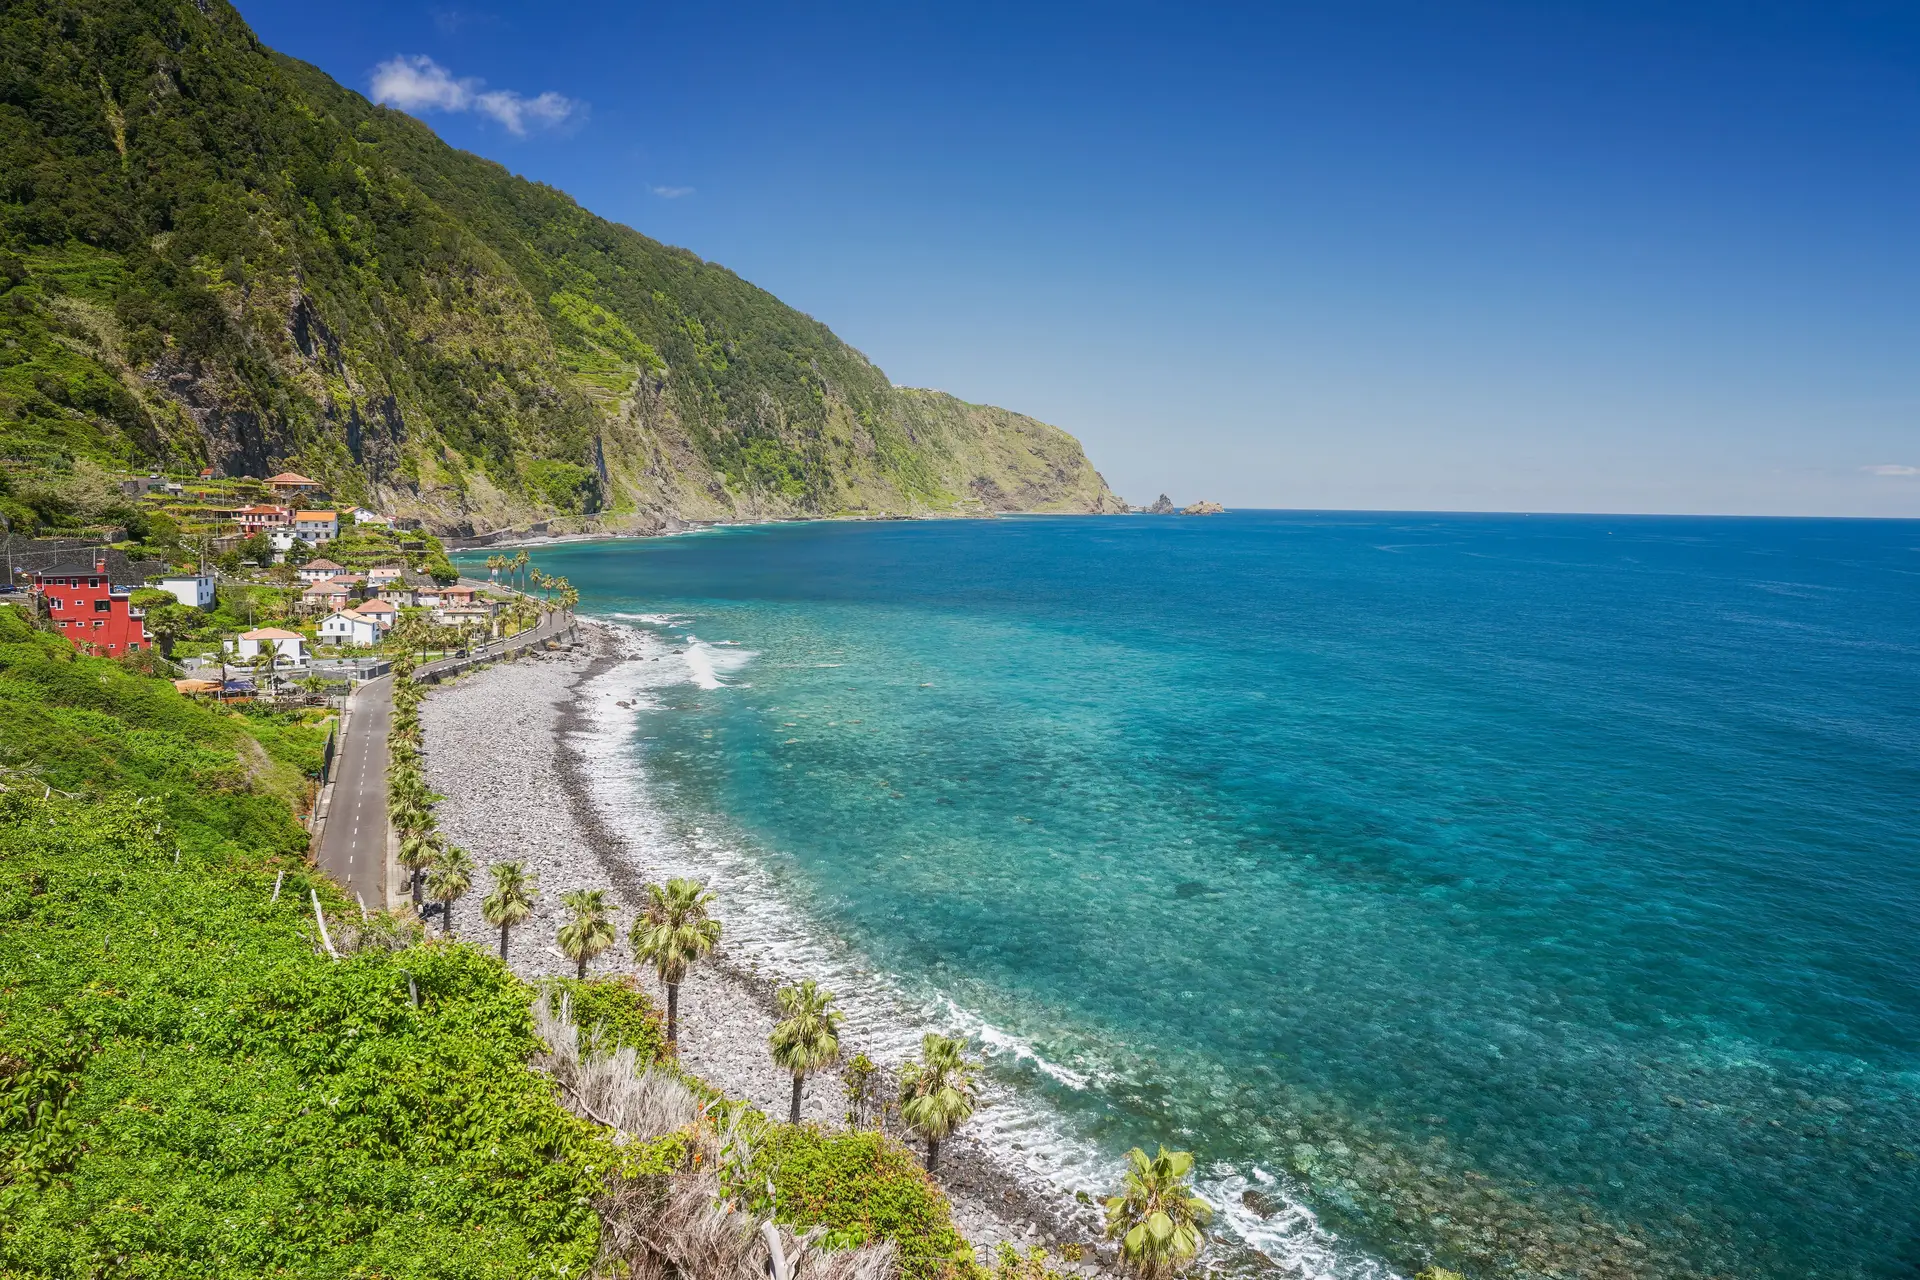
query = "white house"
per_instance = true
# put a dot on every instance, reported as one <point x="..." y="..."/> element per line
<point x="349" y="627"/>
<point x="292" y="647"/>
<point x="381" y="575"/>
<point x="195" y="590"/>
<point x="320" y="570"/>
<point x="381" y="611"/>
<point x="363" y="516"/>
<point x="316" y="527"/>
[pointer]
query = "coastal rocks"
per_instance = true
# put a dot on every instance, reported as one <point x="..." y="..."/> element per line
<point x="1161" y="506"/>
<point x="1204" y="509"/>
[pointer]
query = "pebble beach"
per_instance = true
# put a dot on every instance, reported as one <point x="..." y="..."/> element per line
<point x="509" y="748"/>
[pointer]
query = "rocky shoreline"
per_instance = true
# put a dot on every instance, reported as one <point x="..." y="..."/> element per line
<point x="503" y="748"/>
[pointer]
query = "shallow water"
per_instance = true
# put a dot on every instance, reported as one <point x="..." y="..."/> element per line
<point x="1531" y="894"/>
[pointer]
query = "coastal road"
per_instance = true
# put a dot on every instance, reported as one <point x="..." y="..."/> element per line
<point x="354" y="842"/>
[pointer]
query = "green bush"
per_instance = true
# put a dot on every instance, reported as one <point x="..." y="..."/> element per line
<point x="861" y="1186"/>
<point x="615" y="1010"/>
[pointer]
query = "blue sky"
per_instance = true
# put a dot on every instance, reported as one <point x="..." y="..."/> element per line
<point x="1473" y="256"/>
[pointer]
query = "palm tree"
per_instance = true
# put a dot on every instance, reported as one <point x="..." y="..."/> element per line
<point x="418" y="851"/>
<point x="591" y="930"/>
<point x="936" y="1093"/>
<point x="672" y="933"/>
<point x="1157" y="1219"/>
<point x="807" y="1037"/>
<point x="511" y="900"/>
<point x="450" y="878"/>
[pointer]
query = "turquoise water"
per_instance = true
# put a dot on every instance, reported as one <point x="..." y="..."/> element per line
<point x="1537" y="895"/>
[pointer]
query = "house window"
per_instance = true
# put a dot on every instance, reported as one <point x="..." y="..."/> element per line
<point x="103" y="606"/>
<point x="99" y="622"/>
<point x="56" y="603"/>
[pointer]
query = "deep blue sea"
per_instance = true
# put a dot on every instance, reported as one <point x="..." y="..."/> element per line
<point x="1536" y="895"/>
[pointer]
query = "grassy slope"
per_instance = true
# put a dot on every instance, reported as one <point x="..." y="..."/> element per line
<point x="187" y="1088"/>
<point x="217" y="251"/>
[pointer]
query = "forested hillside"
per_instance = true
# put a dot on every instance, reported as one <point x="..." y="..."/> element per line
<point x="212" y="253"/>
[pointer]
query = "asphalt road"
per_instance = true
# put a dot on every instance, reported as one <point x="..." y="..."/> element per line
<point x="353" y="844"/>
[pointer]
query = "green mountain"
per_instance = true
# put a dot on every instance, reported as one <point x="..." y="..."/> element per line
<point x="211" y="253"/>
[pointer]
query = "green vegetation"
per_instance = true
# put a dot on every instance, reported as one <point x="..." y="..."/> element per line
<point x="1157" y="1219"/>
<point x="213" y="253"/>
<point x="187" y="1084"/>
<point x="673" y="932"/>
<point x="807" y="1037"/>
<point x="862" y="1187"/>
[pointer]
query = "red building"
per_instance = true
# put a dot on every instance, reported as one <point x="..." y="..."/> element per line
<point x="87" y="608"/>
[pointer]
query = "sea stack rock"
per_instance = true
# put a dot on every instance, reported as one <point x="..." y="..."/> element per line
<point x="1162" y="506"/>
<point x="1203" y="509"/>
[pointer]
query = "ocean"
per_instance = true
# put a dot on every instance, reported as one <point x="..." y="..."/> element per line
<point x="1530" y="895"/>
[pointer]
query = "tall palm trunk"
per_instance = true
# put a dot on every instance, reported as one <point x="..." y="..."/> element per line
<point x="446" y="917"/>
<point x="418" y="882"/>
<point x="794" y="1117"/>
<point x="582" y="975"/>
<point x="933" y="1154"/>
<point x="673" y="1013"/>
<point x="503" y="940"/>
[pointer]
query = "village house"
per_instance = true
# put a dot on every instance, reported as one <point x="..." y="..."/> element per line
<point x="349" y="626"/>
<point x="291" y="646"/>
<point x="456" y="595"/>
<point x="195" y="590"/>
<point x="95" y="614"/>
<point x="316" y="527"/>
<point x="381" y="611"/>
<point x="291" y="483"/>
<point x="363" y="516"/>
<point x="383" y="574"/>
<point x="262" y="516"/>
<point x="320" y="570"/>
<point x="334" y="593"/>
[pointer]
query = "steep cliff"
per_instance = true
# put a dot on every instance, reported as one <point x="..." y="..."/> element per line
<point x="213" y="253"/>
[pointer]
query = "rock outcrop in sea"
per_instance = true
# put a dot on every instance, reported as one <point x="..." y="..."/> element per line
<point x="1204" y="508"/>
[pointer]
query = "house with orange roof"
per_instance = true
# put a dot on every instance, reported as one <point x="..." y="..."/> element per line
<point x="316" y="527"/>
<point x="289" y="483"/>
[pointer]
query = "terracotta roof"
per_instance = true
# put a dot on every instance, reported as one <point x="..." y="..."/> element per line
<point x="315" y="515"/>
<point x="376" y="606"/>
<point x="291" y="477"/>
<point x="322" y="564"/>
<point x="271" y="633"/>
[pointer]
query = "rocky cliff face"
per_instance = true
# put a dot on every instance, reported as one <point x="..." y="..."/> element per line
<point x="211" y="253"/>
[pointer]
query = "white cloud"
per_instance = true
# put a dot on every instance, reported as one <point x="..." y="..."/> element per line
<point x="1892" y="469"/>
<point x="418" y="83"/>
<point x="672" y="193"/>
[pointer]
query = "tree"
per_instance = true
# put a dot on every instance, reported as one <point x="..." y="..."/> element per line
<point x="590" y="931"/>
<point x="450" y="879"/>
<point x="299" y="552"/>
<point x="936" y="1093"/>
<point x="672" y="933"/>
<point x="511" y="900"/>
<point x="266" y="660"/>
<point x="863" y="1102"/>
<point x="419" y="849"/>
<point x="167" y="619"/>
<point x="257" y="547"/>
<point x="1156" y="1217"/>
<point x="807" y="1036"/>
